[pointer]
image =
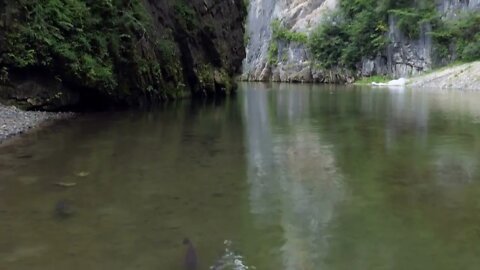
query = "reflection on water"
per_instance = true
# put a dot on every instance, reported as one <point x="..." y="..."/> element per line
<point x="293" y="177"/>
<point x="290" y="177"/>
<point x="352" y="178"/>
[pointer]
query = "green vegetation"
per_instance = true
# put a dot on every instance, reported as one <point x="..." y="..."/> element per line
<point x="99" y="44"/>
<point x="186" y="16"/>
<point x="460" y="37"/>
<point x="246" y="39"/>
<point x="358" y="29"/>
<point x="282" y="34"/>
<point x="272" y="56"/>
<point x="410" y="15"/>
<point x="371" y="79"/>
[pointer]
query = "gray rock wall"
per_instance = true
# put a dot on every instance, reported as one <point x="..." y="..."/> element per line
<point x="403" y="57"/>
<point x="293" y="60"/>
<point x="451" y="8"/>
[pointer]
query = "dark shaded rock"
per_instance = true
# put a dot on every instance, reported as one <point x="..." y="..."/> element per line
<point x="210" y="41"/>
<point x="38" y="93"/>
<point x="194" y="48"/>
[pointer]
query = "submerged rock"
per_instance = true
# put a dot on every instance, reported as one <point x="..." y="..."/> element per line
<point x="191" y="260"/>
<point x="63" y="209"/>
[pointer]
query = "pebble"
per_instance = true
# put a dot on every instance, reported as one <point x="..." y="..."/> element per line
<point x="14" y="121"/>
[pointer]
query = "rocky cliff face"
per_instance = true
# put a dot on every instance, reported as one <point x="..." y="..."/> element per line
<point x="406" y="57"/>
<point x="402" y="57"/>
<point x="451" y="8"/>
<point x="294" y="62"/>
<point x="185" y="48"/>
<point x="210" y="43"/>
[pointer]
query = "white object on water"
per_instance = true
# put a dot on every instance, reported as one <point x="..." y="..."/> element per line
<point x="399" y="82"/>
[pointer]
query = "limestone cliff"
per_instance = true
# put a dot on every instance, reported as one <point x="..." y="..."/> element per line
<point x="406" y="57"/>
<point x="297" y="15"/>
<point x="58" y="54"/>
<point x="451" y="8"/>
<point x="402" y="57"/>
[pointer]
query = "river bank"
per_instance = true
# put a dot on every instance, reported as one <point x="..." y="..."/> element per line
<point x="14" y="121"/>
<point x="464" y="77"/>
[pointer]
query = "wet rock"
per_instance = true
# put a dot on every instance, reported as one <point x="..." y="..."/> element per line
<point x="63" y="209"/>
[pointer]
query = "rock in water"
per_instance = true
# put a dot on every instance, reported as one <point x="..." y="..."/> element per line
<point x="191" y="260"/>
<point x="63" y="209"/>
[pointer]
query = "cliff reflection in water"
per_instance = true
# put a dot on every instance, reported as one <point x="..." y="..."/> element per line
<point x="293" y="175"/>
<point x="314" y="178"/>
<point x="361" y="178"/>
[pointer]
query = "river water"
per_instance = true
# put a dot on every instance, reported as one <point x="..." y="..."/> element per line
<point x="293" y="177"/>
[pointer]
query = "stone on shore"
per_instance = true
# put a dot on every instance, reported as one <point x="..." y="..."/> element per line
<point x="14" y="121"/>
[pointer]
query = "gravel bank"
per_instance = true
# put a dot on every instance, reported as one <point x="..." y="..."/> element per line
<point x="14" y="121"/>
<point x="465" y="77"/>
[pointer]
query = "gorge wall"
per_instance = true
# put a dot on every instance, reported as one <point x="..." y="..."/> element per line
<point x="402" y="57"/>
<point x="295" y="63"/>
<point x="57" y="54"/>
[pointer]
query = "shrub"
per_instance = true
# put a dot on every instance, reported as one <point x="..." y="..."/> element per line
<point x="459" y="37"/>
<point x="272" y="55"/>
<point x="279" y="32"/>
<point x="91" y="44"/>
<point x="359" y="29"/>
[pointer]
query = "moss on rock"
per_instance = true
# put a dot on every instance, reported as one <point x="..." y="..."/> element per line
<point x="123" y="52"/>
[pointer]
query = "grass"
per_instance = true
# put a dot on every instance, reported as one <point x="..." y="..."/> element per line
<point x="369" y="80"/>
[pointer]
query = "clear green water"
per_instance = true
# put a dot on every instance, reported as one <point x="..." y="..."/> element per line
<point x="297" y="177"/>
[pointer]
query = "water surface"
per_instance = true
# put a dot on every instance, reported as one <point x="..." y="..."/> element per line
<point x="283" y="176"/>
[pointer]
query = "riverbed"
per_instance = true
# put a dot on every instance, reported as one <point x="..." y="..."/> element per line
<point x="282" y="176"/>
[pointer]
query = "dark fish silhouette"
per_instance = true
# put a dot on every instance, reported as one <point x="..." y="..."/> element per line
<point x="191" y="260"/>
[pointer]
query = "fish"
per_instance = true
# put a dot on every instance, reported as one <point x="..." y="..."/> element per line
<point x="191" y="260"/>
